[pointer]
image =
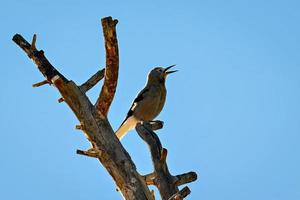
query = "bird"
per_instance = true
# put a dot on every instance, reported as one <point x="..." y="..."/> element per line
<point x="149" y="102"/>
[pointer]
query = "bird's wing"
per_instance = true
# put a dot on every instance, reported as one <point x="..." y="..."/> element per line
<point x="138" y="98"/>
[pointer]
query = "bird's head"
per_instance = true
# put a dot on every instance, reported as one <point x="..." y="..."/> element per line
<point x="160" y="74"/>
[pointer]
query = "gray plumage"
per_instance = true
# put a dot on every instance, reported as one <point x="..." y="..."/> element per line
<point x="149" y="102"/>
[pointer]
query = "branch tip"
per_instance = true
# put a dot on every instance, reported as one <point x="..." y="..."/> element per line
<point x="112" y="66"/>
<point x="15" y="37"/>
<point x="60" y="100"/>
<point x="33" y="42"/>
<point x="181" y="194"/>
<point x="44" y="82"/>
<point x="163" y="155"/>
<point x="79" y="127"/>
<point x="90" y="153"/>
<point x="91" y="82"/>
<point x="185" y="178"/>
<point x="116" y="22"/>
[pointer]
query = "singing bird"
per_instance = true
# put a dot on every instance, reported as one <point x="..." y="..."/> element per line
<point x="149" y="102"/>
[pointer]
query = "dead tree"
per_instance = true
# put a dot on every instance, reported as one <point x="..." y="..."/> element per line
<point x="95" y="125"/>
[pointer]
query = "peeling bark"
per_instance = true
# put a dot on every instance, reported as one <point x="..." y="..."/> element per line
<point x="112" y="65"/>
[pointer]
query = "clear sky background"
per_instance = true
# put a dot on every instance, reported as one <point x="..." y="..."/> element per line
<point x="232" y="112"/>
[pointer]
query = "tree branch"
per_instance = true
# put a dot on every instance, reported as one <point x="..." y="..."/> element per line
<point x="181" y="194"/>
<point x="90" y="153"/>
<point x="99" y="132"/>
<point x="38" y="58"/>
<point x="163" y="180"/>
<point x="91" y="82"/>
<point x="94" y="124"/>
<point x="161" y="177"/>
<point x="44" y="82"/>
<point x="112" y="66"/>
<point x="185" y="178"/>
<point x="149" y="178"/>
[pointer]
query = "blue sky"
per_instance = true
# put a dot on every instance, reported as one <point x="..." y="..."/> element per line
<point x="232" y="112"/>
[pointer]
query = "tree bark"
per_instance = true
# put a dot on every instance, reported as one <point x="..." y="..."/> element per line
<point x="161" y="177"/>
<point x="112" y="66"/>
<point x="95" y="125"/>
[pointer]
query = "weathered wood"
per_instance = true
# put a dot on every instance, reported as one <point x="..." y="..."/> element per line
<point x="163" y="180"/>
<point x="181" y="194"/>
<point x="112" y="66"/>
<point x="185" y="178"/>
<point x="39" y="84"/>
<point x="149" y="178"/>
<point x="38" y="58"/>
<point x="91" y="82"/>
<point x="33" y="41"/>
<point x="114" y="158"/>
<point x="89" y="153"/>
<point x="94" y="124"/>
<point x="161" y="177"/>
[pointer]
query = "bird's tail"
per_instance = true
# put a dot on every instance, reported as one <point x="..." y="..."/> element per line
<point x="126" y="126"/>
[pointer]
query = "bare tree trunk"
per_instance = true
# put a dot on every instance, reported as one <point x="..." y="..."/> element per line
<point x="93" y="121"/>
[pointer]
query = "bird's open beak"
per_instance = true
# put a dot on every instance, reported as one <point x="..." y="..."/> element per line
<point x="169" y="72"/>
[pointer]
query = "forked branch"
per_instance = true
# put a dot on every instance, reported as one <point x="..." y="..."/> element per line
<point x="95" y="125"/>
<point x="161" y="177"/>
<point x="86" y="86"/>
<point x="105" y="145"/>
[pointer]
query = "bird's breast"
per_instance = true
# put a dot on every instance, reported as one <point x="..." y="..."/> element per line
<point x="153" y="104"/>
